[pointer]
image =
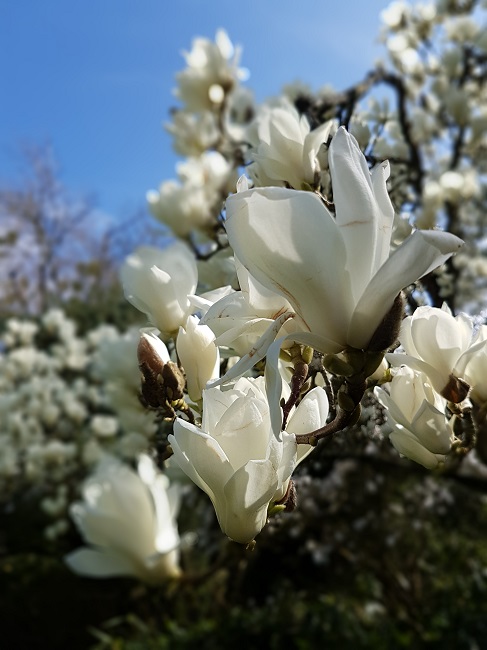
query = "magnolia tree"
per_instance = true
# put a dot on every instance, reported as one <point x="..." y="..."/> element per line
<point x="329" y="273"/>
<point x="326" y="275"/>
<point x="313" y="333"/>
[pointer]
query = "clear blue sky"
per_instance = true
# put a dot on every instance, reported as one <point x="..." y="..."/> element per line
<point x="95" y="77"/>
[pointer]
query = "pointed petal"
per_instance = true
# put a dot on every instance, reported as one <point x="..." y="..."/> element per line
<point x="243" y="431"/>
<point x="248" y="494"/>
<point x="99" y="563"/>
<point x="201" y="458"/>
<point x="256" y="354"/>
<point x="408" y="445"/>
<point x="438" y="380"/>
<point x="422" y="252"/>
<point x="273" y="384"/>
<point x="311" y="414"/>
<point x="365" y="227"/>
<point x="291" y="244"/>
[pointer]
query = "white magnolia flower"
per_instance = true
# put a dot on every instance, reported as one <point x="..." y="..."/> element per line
<point x="235" y="457"/>
<point x="416" y="413"/>
<point x="395" y="14"/>
<point x="199" y="356"/>
<point x="434" y="341"/>
<point x="157" y="282"/>
<point x="240" y="318"/>
<point x="193" y="201"/>
<point x="337" y="272"/>
<point x="286" y="150"/>
<point x="211" y="73"/>
<point x="193" y="133"/>
<point x="129" y="519"/>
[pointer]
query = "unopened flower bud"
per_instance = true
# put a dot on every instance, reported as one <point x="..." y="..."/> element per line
<point x="152" y="353"/>
<point x="162" y="380"/>
<point x="173" y="380"/>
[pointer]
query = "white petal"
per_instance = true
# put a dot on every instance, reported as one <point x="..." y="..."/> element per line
<point x="438" y="379"/>
<point x="256" y="354"/>
<point x="100" y="563"/>
<point x="204" y="453"/>
<point x="432" y="429"/>
<point x="422" y="252"/>
<point x="243" y="431"/>
<point x="365" y="228"/>
<point x="291" y="244"/>
<point x="408" y="445"/>
<point x="311" y="414"/>
<point x="248" y="494"/>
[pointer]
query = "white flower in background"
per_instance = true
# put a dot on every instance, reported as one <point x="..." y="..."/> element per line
<point x="212" y="72"/>
<point x="434" y="342"/>
<point x="117" y="367"/>
<point x="193" y="202"/>
<point x="458" y="103"/>
<point x="199" y="356"/>
<point x="18" y="332"/>
<point x="395" y="14"/>
<point x="157" y="282"/>
<point x="104" y="426"/>
<point x="416" y="413"/>
<point x="210" y="171"/>
<point x="180" y="206"/>
<point x="239" y="111"/>
<point x="337" y="272"/>
<point x="286" y="150"/>
<point x="235" y="457"/>
<point x="129" y="519"/>
<point x="57" y="323"/>
<point x="193" y="134"/>
<point x="458" y="186"/>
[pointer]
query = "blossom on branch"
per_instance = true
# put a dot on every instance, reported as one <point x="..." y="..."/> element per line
<point x="158" y="282"/>
<point x="235" y="457"/>
<point x="337" y="271"/>
<point x="199" y="356"/>
<point x="416" y="413"/>
<point x="130" y="520"/>
<point x="286" y="150"/>
<point x="435" y="342"/>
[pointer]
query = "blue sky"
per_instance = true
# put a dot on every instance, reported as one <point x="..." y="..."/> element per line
<point x="95" y="77"/>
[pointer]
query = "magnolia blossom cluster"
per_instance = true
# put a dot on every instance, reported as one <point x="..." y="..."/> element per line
<point x="65" y="401"/>
<point x="293" y="293"/>
<point x="442" y="364"/>
<point x="324" y="281"/>
<point x="214" y="108"/>
<point x="300" y="297"/>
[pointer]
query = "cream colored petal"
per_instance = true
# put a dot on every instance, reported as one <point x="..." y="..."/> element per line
<point x="210" y="466"/>
<point x="365" y="228"/>
<point x="290" y="243"/>
<point x="408" y="445"/>
<point x="418" y="255"/>
<point x="100" y="563"/>
<point x="247" y="495"/>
